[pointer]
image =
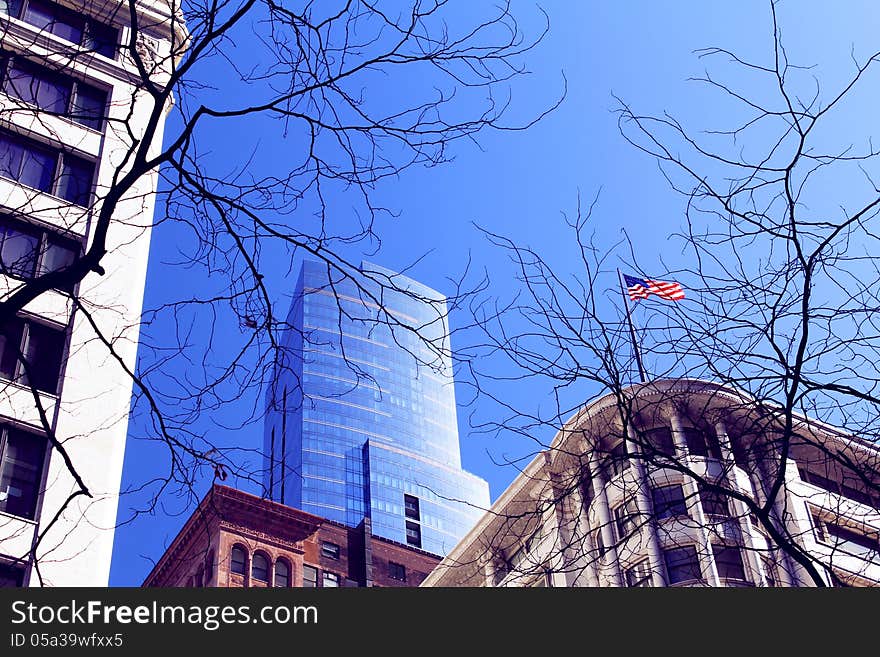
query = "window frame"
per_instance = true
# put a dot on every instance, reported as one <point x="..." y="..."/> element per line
<point x="397" y="571"/>
<point x="626" y="517"/>
<point x="233" y="561"/>
<point x="61" y="160"/>
<point x="695" y="563"/>
<point x="330" y="550"/>
<point x="632" y="578"/>
<point x="309" y="583"/>
<point x="39" y="469"/>
<point x="90" y="25"/>
<point x="73" y="86"/>
<point x="725" y="548"/>
<point x="286" y="564"/>
<point x="414" y="539"/>
<point x="19" y="376"/>
<point x="259" y="554"/>
<point x="47" y="238"/>
<point x="710" y="501"/>
<point x="411" y="507"/>
<point x="669" y="508"/>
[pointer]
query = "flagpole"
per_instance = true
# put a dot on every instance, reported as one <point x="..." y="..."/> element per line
<point x="632" y="330"/>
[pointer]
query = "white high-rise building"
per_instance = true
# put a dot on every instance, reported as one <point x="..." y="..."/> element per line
<point x="671" y="488"/>
<point x="71" y="104"/>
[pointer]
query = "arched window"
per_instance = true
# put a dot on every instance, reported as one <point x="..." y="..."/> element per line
<point x="238" y="563"/>
<point x="209" y="568"/>
<point x="282" y="573"/>
<point x="260" y="568"/>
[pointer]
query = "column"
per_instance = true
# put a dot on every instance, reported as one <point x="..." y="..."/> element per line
<point x="694" y="504"/>
<point x="607" y="564"/>
<point x="655" y="554"/>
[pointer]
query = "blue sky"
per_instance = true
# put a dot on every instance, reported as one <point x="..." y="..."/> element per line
<point x="519" y="183"/>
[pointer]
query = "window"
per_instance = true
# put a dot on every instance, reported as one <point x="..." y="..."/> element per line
<point x="682" y="564"/>
<point x="411" y="506"/>
<point x="668" y="501"/>
<point x="27" y="251"/>
<point x="599" y="542"/>
<point x="714" y="503"/>
<point x="626" y="518"/>
<point x="260" y="567"/>
<point x="660" y="442"/>
<point x="413" y="534"/>
<point x="22" y="455"/>
<point x="331" y="580"/>
<point x="43" y="350"/>
<point x="639" y="575"/>
<point x="397" y="571"/>
<point x="11" y="577"/>
<point x="53" y="92"/>
<point x="46" y="169"/>
<point x="769" y="570"/>
<point x="329" y="550"/>
<point x="282" y="574"/>
<point x="728" y="561"/>
<point x="847" y="539"/>
<point x="700" y="443"/>
<point x="310" y="577"/>
<point x="238" y="563"/>
<point x="199" y="577"/>
<point x="67" y="24"/>
<point x="616" y="461"/>
<point x="209" y="568"/>
<point x="841" y="489"/>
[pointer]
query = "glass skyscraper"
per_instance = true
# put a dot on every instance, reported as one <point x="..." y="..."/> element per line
<point x="361" y="418"/>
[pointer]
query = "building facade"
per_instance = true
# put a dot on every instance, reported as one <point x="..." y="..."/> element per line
<point x="234" y="539"/>
<point x="361" y="420"/>
<point x="71" y="103"/>
<point x="668" y="485"/>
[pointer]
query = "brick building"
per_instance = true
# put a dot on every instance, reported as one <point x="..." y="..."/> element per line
<point x="235" y="539"/>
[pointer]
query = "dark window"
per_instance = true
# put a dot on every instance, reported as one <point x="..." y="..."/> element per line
<point x="413" y="534"/>
<point x="841" y="489"/>
<point x="599" y="541"/>
<point x="260" y="568"/>
<point x="769" y="570"/>
<point x="682" y="564"/>
<point x="728" y="561"/>
<point x="714" y="502"/>
<point x="67" y="24"/>
<point x="668" y="501"/>
<point x="43" y="355"/>
<point x="35" y="165"/>
<point x="43" y="349"/>
<point x="701" y="443"/>
<point x="282" y="574"/>
<point x="310" y="577"/>
<point x="238" y="563"/>
<point x="616" y="461"/>
<point x="209" y="568"/>
<point x="21" y="470"/>
<point x="660" y="441"/>
<point x="329" y="550"/>
<point x="639" y="575"/>
<point x="852" y="541"/>
<point x="11" y="577"/>
<point x="331" y="580"/>
<point x="53" y="92"/>
<point x="626" y="518"/>
<point x="411" y="506"/>
<point x="397" y="571"/>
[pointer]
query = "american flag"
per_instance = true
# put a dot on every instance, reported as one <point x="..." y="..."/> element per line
<point x="640" y="288"/>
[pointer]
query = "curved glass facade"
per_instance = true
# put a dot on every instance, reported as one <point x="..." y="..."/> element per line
<point x="361" y="420"/>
